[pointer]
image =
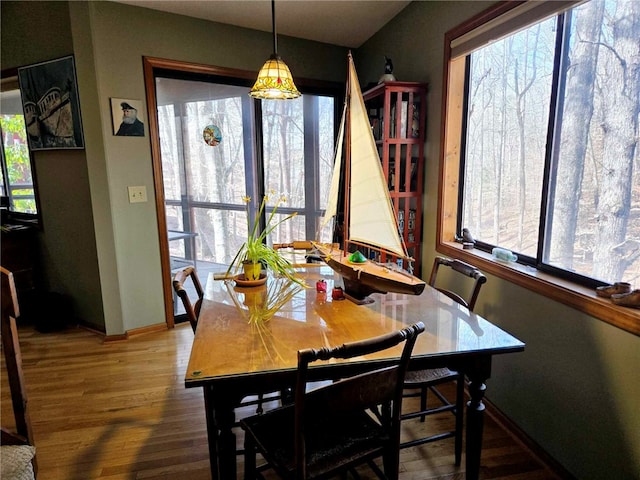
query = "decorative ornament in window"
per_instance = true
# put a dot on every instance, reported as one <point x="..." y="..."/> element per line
<point x="212" y="135"/>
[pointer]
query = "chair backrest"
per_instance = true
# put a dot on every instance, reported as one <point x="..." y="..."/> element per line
<point x="192" y="310"/>
<point x="464" y="269"/>
<point x="13" y="360"/>
<point x="376" y="387"/>
<point x="300" y="249"/>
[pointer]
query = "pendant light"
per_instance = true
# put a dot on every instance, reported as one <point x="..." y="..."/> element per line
<point x="274" y="81"/>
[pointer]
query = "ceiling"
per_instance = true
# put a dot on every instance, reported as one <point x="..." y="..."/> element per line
<point x="347" y="23"/>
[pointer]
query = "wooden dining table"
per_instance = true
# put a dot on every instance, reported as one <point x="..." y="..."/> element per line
<point x="247" y="340"/>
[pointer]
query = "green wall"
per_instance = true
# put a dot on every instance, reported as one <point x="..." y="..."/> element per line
<point x="33" y="32"/>
<point x="576" y="388"/>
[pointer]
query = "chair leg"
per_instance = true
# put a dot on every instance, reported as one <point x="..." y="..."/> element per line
<point x="391" y="465"/>
<point x="459" y="418"/>
<point x="423" y="402"/>
<point x="249" y="458"/>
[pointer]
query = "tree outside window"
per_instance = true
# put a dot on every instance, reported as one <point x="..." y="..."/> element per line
<point x="551" y="164"/>
<point x="17" y="180"/>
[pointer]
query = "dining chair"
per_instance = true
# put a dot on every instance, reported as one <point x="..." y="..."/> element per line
<point x="179" y="280"/>
<point x="297" y="249"/>
<point x="418" y="383"/>
<point x="337" y="427"/>
<point x="17" y="452"/>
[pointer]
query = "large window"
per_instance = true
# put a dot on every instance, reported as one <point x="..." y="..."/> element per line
<point x="274" y="148"/>
<point x="550" y="167"/>
<point x="15" y="175"/>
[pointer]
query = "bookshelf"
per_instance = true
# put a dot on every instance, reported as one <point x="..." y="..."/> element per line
<point x="397" y="112"/>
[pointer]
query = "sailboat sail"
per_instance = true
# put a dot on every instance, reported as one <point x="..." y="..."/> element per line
<point x="334" y="188"/>
<point x="369" y="192"/>
<point x="368" y="188"/>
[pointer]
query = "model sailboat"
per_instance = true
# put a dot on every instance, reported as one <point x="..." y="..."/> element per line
<point x="369" y="218"/>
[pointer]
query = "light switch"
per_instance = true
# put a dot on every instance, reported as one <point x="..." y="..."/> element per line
<point x="137" y="194"/>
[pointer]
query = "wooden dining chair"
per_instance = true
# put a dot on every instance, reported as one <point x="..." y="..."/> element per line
<point x="334" y="428"/>
<point x="418" y="383"/>
<point x="192" y="309"/>
<point x="300" y="249"/>
<point x="17" y="451"/>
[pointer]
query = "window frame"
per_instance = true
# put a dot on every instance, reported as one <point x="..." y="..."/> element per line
<point x="10" y="82"/>
<point x="541" y="282"/>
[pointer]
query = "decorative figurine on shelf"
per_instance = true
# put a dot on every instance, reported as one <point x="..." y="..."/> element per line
<point x="468" y="242"/>
<point x="388" y="71"/>
<point x="617" y="288"/>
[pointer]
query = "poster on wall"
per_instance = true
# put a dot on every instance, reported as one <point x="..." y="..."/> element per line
<point x="49" y="92"/>
<point x="127" y="117"/>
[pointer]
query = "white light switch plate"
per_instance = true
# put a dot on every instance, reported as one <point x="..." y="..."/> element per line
<point x="137" y="194"/>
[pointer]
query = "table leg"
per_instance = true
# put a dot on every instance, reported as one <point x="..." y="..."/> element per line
<point x="223" y="409"/>
<point x="221" y="418"/>
<point x="212" y="433"/>
<point x="475" y="419"/>
<point x="225" y="417"/>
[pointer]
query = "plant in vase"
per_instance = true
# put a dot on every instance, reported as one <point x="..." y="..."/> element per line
<point x="255" y="253"/>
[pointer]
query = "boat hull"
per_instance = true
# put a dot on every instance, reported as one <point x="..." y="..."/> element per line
<point x="363" y="279"/>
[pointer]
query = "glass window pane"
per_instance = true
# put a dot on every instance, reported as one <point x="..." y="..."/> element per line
<point x="174" y="222"/>
<point x="216" y="172"/>
<point x="15" y="154"/>
<point x="287" y="231"/>
<point x="167" y="122"/>
<point x="221" y="233"/>
<point x="283" y="147"/>
<point x="509" y="93"/>
<point x="326" y="135"/>
<point x="207" y="172"/>
<point x="595" y="188"/>
<point x="205" y="182"/>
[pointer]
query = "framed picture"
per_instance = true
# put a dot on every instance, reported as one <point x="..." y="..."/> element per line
<point x="127" y="117"/>
<point x="51" y="105"/>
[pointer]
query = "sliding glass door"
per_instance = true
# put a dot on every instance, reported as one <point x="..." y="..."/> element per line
<point x="219" y="146"/>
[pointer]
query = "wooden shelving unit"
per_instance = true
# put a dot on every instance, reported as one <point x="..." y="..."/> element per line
<point x="397" y="111"/>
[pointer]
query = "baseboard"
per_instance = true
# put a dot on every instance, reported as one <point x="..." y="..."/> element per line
<point x="159" y="327"/>
<point x="527" y="442"/>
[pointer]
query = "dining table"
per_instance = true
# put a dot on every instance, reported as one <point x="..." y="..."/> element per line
<point x="248" y="336"/>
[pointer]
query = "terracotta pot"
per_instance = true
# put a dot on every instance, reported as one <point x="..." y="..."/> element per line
<point x="251" y="270"/>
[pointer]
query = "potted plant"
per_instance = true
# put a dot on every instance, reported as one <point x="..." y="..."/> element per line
<point x="254" y="254"/>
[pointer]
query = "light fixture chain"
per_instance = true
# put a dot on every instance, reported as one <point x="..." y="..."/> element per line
<point x="273" y="26"/>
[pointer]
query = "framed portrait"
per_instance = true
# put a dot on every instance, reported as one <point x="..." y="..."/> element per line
<point x="49" y="92"/>
<point x="127" y="117"/>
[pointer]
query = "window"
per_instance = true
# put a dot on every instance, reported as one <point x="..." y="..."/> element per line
<point x="550" y="167"/>
<point x="16" y="175"/>
<point x="273" y="148"/>
<point x="292" y="130"/>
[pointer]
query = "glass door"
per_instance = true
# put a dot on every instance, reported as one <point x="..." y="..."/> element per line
<point x="218" y="147"/>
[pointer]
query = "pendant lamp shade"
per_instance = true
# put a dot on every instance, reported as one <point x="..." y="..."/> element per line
<point x="274" y="81"/>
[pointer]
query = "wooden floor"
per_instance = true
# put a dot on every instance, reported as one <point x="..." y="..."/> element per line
<point x="120" y="411"/>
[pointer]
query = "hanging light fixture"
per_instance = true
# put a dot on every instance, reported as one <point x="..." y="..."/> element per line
<point x="274" y="81"/>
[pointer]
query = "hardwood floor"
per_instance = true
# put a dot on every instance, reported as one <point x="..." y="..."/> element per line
<point x="119" y="410"/>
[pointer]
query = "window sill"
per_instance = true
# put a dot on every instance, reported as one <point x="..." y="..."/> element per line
<point x="581" y="298"/>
